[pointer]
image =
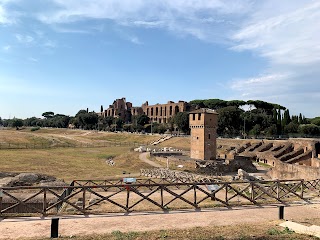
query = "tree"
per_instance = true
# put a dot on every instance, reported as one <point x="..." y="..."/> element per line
<point x="272" y="130"/>
<point x="279" y="122"/>
<point x="119" y="123"/>
<point x="85" y="120"/>
<point x="142" y="120"/>
<point x="16" y="122"/>
<point x="255" y="130"/>
<point x="315" y="121"/>
<point x="292" y="127"/>
<point x="101" y="108"/>
<point x="309" y="129"/>
<point x="236" y="103"/>
<point x="300" y="119"/>
<point x="1" y="122"/>
<point x="48" y="114"/>
<point x="181" y="119"/>
<point x="229" y="120"/>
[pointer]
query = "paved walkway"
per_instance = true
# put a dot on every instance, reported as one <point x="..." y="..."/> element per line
<point x="146" y="221"/>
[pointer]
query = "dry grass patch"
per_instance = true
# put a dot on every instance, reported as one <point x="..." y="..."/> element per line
<point x="261" y="231"/>
<point x="68" y="136"/>
<point x="182" y="143"/>
<point x="71" y="163"/>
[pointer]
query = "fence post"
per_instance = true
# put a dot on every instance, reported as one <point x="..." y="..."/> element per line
<point x="252" y="192"/>
<point x="281" y="212"/>
<point x="44" y="207"/>
<point x="195" y="195"/>
<point x="128" y="196"/>
<point x="1" y="193"/>
<point x="83" y="198"/>
<point x="54" y="227"/>
<point x="161" y="192"/>
<point x="278" y="190"/>
<point x="226" y="184"/>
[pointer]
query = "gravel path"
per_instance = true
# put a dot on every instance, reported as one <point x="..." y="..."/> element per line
<point x="143" y="157"/>
<point x="145" y="221"/>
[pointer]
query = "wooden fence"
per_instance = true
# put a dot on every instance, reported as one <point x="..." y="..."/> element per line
<point x="101" y="196"/>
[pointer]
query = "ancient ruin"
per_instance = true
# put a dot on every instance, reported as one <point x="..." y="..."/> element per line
<point x="203" y="125"/>
<point x="288" y="159"/>
<point x="161" y="113"/>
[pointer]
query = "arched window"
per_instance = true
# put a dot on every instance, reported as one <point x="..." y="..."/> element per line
<point x="176" y="109"/>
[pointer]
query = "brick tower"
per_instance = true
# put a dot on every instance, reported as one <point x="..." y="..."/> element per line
<point x="203" y="125"/>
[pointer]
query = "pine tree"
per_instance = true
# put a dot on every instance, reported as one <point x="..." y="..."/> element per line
<point x="275" y="115"/>
<point x="279" y="122"/>
<point x="300" y="119"/>
<point x="101" y="109"/>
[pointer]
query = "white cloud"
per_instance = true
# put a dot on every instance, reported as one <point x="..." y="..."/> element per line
<point x="31" y="59"/>
<point x="288" y="38"/>
<point x="3" y="16"/>
<point x="135" y="40"/>
<point x="49" y="44"/>
<point x="6" y="48"/>
<point x="25" y="39"/>
<point x="203" y="19"/>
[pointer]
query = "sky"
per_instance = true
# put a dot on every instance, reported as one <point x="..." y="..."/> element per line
<point x="68" y="55"/>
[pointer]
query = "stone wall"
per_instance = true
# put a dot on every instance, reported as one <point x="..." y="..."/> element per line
<point x="293" y="171"/>
<point x="162" y="113"/>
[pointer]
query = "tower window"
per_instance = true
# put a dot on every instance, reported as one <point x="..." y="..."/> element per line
<point x="199" y="116"/>
<point x="193" y="117"/>
<point x="209" y="136"/>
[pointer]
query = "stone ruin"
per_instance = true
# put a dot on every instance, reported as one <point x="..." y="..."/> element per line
<point x="28" y="179"/>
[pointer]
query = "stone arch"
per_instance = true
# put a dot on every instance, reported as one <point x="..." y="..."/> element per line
<point x="161" y="111"/>
<point x="170" y="111"/>
<point x="157" y="111"/>
<point x="147" y="111"/>
<point x="165" y="111"/>
<point x="317" y="148"/>
<point x="176" y="109"/>
<point x="151" y="111"/>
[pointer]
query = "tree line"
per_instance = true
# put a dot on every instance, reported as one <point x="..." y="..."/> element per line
<point x="236" y="118"/>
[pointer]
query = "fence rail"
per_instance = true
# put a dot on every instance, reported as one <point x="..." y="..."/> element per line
<point x="89" y="197"/>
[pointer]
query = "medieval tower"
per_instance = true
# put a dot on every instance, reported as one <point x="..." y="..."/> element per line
<point x="203" y="125"/>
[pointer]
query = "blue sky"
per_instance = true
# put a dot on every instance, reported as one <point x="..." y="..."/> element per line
<point x="67" y="55"/>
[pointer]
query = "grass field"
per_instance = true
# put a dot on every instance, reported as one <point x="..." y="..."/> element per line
<point x="52" y="136"/>
<point x="71" y="163"/>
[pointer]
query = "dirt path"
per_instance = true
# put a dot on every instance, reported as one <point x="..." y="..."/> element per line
<point x="146" y="221"/>
<point x="143" y="157"/>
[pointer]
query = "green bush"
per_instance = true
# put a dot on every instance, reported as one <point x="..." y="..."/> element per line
<point x="35" y="129"/>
